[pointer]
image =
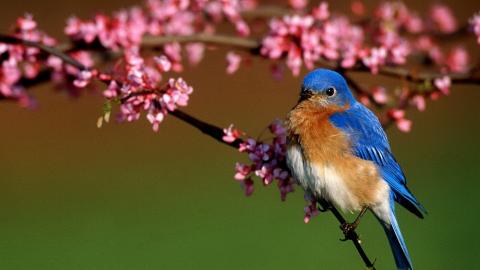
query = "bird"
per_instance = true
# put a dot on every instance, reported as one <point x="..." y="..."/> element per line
<point x="338" y="152"/>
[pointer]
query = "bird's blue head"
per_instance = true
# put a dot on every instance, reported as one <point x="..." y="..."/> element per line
<point x="326" y="87"/>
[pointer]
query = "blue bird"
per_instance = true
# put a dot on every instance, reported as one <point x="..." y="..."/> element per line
<point x="339" y="152"/>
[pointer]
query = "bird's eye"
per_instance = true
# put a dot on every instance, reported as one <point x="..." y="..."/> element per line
<point x="330" y="91"/>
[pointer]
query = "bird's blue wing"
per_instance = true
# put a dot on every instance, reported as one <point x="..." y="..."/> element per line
<point x="370" y="142"/>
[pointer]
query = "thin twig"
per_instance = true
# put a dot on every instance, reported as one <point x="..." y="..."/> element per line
<point x="46" y="49"/>
<point x="265" y="12"/>
<point x="226" y="40"/>
<point x="402" y="73"/>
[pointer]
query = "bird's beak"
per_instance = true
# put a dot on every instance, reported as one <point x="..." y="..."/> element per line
<point x="304" y="95"/>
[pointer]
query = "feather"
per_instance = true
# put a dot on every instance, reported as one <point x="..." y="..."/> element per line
<point x="369" y="142"/>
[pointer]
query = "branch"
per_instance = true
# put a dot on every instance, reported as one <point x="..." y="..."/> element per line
<point x="218" y="39"/>
<point x="403" y="73"/>
<point x="265" y="12"/>
<point x="44" y="48"/>
<point x="254" y="45"/>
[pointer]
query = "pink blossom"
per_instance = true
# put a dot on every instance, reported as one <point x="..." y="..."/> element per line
<point x="298" y="4"/>
<point x="310" y="210"/>
<point x="458" y="59"/>
<point x="3" y="48"/>
<point x="443" y="84"/>
<point x="419" y="102"/>
<point x="265" y="172"/>
<point x="177" y="94"/>
<point x="248" y="145"/>
<point x="163" y="64"/>
<point x="294" y="61"/>
<point x="277" y="128"/>
<point x="233" y="61"/>
<point x="280" y="174"/>
<point x="248" y="186"/>
<point x="242" y="171"/>
<point x="231" y="134"/>
<point x="443" y="18"/>
<point x="283" y="39"/>
<point x="26" y="23"/>
<point x="402" y="123"/>
<point x="155" y="118"/>
<point x="112" y="90"/>
<point x="55" y="63"/>
<point x="475" y="23"/>
<point x="137" y="86"/>
<point x="436" y="55"/>
<point x="83" y="79"/>
<point x="173" y="52"/>
<point x="358" y="7"/>
<point x="435" y="95"/>
<point x="375" y="59"/>
<point x="364" y="99"/>
<point x="424" y="43"/>
<point x="195" y="52"/>
<point x="31" y="70"/>
<point x="414" y="23"/>
<point x="399" y="53"/>
<point x="321" y="12"/>
<point x="379" y="94"/>
<point x="285" y="187"/>
<point x="268" y="159"/>
<point x="231" y="10"/>
<point x="248" y="4"/>
<point x="397" y="114"/>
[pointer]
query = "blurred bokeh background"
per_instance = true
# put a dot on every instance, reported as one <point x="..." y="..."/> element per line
<point x="73" y="196"/>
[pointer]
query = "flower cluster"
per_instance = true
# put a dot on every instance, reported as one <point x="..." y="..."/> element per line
<point x="137" y="87"/>
<point x="296" y="38"/>
<point x="402" y="123"/>
<point x="319" y="36"/>
<point x="127" y="28"/>
<point x="311" y="209"/>
<point x="18" y="61"/>
<point x="267" y="160"/>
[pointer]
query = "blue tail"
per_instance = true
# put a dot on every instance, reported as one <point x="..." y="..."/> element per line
<point x="399" y="248"/>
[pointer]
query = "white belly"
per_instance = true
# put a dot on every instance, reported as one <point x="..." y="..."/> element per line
<point x="321" y="180"/>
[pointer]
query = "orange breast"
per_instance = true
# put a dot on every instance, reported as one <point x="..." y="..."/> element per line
<point x="324" y="145"/>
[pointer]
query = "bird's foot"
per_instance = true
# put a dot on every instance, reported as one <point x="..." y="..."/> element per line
<point x="348" y="230"/>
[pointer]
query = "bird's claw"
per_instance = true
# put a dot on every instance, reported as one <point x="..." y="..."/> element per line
<point x="348" y="230"/>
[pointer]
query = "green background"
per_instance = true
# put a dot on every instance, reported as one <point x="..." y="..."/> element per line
<point x="123" y="197"/>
